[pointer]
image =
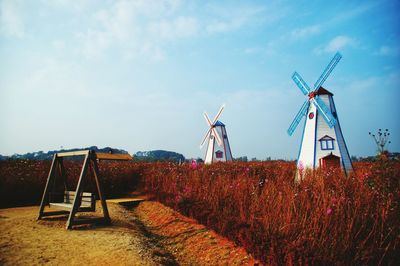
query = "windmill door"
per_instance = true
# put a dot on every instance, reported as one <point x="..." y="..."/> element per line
<point x="329" y="161"/>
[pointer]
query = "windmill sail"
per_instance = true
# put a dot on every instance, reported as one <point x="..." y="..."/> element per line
<point x="325" y="112"/>
<point x="327" y="71"/>
<point x="299" y="116"/>
<point x="205" y="137"/>
<point x="219" y="113"/>
<point x="301" y="83"/>
<point x="217" y="137"/>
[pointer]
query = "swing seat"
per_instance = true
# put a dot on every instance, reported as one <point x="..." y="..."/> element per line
<point x="88" y="201"/>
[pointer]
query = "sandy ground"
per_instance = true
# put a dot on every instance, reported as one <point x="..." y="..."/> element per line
<point x="149" y="234"/>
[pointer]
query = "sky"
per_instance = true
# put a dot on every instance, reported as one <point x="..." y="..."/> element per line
<point x="138" y="75"/>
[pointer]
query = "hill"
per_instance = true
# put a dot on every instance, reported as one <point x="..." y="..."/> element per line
<point x="40" y="155"/>
<point x="159" y="155"/>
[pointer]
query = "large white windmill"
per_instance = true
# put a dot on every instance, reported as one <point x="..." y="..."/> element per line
<point x="218" y="149"/>
<point x="322" y="143"/>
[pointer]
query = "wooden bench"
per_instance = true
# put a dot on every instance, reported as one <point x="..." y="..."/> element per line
<point x="88" y="201"/>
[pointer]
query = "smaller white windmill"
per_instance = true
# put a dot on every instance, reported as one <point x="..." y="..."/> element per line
<point x="218" y="149"/>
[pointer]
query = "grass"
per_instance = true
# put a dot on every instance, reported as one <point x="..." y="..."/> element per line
<point x="327" y="218"/>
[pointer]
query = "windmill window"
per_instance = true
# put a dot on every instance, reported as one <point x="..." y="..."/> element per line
<point x="219" y="154"/>
<point x="327" y="143"/>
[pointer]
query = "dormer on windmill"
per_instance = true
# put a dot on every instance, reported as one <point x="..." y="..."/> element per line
<point x="322" y="143"/>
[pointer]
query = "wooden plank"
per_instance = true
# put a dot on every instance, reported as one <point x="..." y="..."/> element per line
<point x="99" y="191"/>
<point x="122" y="200"/>
<point x="68" y="206"/>
<point x="86" y="197"/>
<point x="99" y="220"/>
<point x="83" y="201"/>
<point x="110" y="156"/>
<point x="79" y="189"/>
<point x="72" y="153"/>
<point x="133" y="202"/>
<point x="63" y="205"/>
<point x="46" y="189"/>
<point x="54" y="213"/>
<point x="83" y="198"/>
<point x="73" y="193"/>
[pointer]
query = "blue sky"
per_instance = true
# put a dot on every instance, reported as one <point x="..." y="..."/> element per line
<point x="138" y="75"/>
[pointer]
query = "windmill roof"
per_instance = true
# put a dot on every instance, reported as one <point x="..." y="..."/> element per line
<point x="322" y="91"/>
<point x="330" y="156"/>
<point x="326" y="137"/>
<point x="219" y="123"/>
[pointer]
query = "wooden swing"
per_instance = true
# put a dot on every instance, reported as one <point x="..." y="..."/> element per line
<point x="71" y="202"/>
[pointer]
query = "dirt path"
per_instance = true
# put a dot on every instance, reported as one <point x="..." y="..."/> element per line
<point x="150" y="234"/>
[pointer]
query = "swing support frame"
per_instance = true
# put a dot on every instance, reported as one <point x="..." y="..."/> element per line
<point x="78" y="201"/>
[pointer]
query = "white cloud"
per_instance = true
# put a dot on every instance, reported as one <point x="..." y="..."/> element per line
<point x="358" y="10"/>
<point x="145" y="28"/>
<point x="232" y="19"/>
<point x="94" y="43"/>
<point x="338" y="43"/>
<point x="53" y="77"/>
<point x="268" y="50"/>
<point x="390" y="80"/>
<point x="11" y="22"/>
<point x="154" y="52"/>
<point x="136" y="27"/>
<point x="388" y="51"/>
<point x="59" y="45"/>
<point x="179" y="27"/>
<point x="305" y="32"/>
<point x="364" y="85"/>
<point x="67" y="4"/>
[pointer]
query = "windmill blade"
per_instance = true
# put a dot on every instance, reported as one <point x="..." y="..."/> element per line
<point x="326" y="113"/>
<point x="301" y="83"/>
<point x="298" y="117"/>
<point x="207" y="119"/>
<point x="205" y="137"/>
<point x="327" y="71"/>
<point x="216" y="135"/>
<point x="219" y="113"/>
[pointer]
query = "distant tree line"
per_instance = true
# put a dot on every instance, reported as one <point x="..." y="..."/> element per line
<point x="390" y="156"/>
<point x="40" y="155"/>
<point x="158" y="155"/>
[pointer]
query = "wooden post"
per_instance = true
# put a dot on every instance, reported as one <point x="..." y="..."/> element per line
<point x="78" y="195"/>
<point x="98" y="185"/>
<point x="46" y="189"/>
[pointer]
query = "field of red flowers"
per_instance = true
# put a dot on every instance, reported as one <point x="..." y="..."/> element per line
<point x="22" y="182"/>
<point x="326" y="219"/>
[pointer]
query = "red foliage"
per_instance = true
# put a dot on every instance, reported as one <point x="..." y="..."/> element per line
<point x="327" y="218"/>
<point x="22" y="182"/>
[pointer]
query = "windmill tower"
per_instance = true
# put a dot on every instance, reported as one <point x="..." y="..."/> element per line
<point x="218" y="149"/>
<point x="322" y="143"/>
